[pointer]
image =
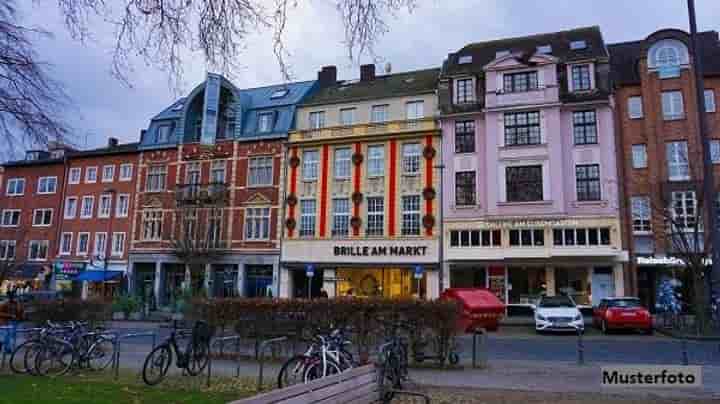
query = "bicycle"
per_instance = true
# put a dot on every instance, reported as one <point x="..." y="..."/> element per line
<point x="193" y="360"/>
<point x="326" y="355"/>
<point x="57" y="353"/>
<point x="393" y="359"/>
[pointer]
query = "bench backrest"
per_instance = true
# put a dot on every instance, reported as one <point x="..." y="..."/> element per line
<point x="356" y="386"/>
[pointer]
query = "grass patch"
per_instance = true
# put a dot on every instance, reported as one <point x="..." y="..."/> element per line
<point x="102" y="389"/>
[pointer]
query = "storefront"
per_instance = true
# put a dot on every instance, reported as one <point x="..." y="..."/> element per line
<point x="64" y="274"/>
<point x="367" y="268"/>
<point x="26" y="278"/>
<point x="664" y="283"/>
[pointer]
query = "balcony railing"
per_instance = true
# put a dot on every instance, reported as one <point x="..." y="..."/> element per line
<point x="202" y="194"/>
<point x="377" y="128"/>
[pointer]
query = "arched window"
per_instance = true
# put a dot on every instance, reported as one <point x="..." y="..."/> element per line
<point x="667" y="56"/>
<point x="667" y="53"/>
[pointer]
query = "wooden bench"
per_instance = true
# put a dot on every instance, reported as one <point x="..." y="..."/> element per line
<point x="356" y="386"/>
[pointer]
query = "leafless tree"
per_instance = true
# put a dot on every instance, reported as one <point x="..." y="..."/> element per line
<point x="31" y="102"/>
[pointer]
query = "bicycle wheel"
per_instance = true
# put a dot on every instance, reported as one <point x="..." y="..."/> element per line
<point x="55" y="358"/>
<point x="156" y="365"/>
<point x="346" y="360"/>
<point x="17" y="358"/>
<point x="314" y="370"/>
<point x="101" y="354"/>
<point x="29" y="357"/>
<point x="390" y="376"/>
<point x="292" y="371"/>
<point x="198" y="358"/>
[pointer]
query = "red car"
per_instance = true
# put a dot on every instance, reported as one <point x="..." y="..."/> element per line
<point x="616" y="313"/>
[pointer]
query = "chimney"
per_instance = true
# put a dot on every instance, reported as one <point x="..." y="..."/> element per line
<point x="112" y="142"/>
<point x="327" y="76"/>
<point x="367" y="72"/>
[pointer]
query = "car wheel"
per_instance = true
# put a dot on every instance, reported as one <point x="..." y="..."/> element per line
<point x="604" y="327"/>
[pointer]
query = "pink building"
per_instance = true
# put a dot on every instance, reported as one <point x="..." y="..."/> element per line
<point x="531" y="201"/>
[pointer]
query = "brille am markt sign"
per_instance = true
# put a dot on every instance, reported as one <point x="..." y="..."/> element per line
<point x="380" y="251"/>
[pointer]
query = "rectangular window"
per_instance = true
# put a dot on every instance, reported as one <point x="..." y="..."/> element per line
<point x="217" y="172"/>
<point x="74" y="175"/>
<point x="527" y="237"/>
<point x="465" y="137"/>
<point x="376" y="216"/>
<point x="265" y="122"/>
<point x="715" y="151"/>
<point x="105" y="206"/>
<point x="581" y="80"/>
<point x="465" y="188"/>
<point x="156" y="178"/>
<point x="47" y="185"/>
<point x="376" y="161"/>
<point x="257" y="223"/>
<point x="66" y="243"/>
<point x="411" y="215"/>
<point x="189" y="224"/>
<point x="524" y="183"/>
<point x="519" y="82"/>
<point x="709" y="100"/>
<point x="152" y="225"/>
<point x="163" y="133"/>
<point x="587" y="177"/>
<point x="38" y="250"/>
<point x="126" y="172"/>
<point x="635" y="108"/>
<point x="118" y="244"/>
<point x="122" y="206"/>
<point x="379" y="113"/>
<point x="15" y="187"/>
<point x="640" y="210"/>
<point x="86" y="209"/>
<point x="307" y="217"/>
<point x="10" y="218"/>
<point x="411" y="158"/>
<point x="7" y="250"/>
<point x="100" y="245"/>
<point x="342" y="163"/>
<point x="214" y="232"/>
<point x="677" y="160"/>
<point x="672" y="105"/>
<point x="341" y="217"/>
<point x="83" y="245"/>
<point x="522" y="128"/>
<point x="684" y="211"/>
<point x="91" y="175"/>
<point x="581" y="237"/>
<point x="475" y="238"/>
<point x="42" y="217"/>
<point x="464" y="92"/>
<point x="347" y="116"/>
<point x="639" y="156"/>
<point x="310" y="165"/>
<point x="108" y="173"/>
<point x="585" y="127"/>
<point x="71" y="207"/>
<point x="415" y="110"/>
<point x="317" y="120"/>
<point x="261" y="171"/>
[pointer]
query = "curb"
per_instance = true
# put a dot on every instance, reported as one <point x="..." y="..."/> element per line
<point x="676" y="335"/>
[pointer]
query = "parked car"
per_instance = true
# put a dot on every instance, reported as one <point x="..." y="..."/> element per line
<point x="558" y="313"/>
<point x="616" y="313"/>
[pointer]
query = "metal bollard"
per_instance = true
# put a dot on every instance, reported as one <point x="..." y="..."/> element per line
<point x="479" y="346"/>
<point x="684" y="347"/>
<point x="580" y="347"/>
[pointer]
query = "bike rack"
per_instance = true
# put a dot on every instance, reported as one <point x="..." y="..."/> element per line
<point x="7" y="329"/>
<point x="215" y="342"/>
<point x="262" y="348"/>
<point x="479" y="335"/>
<point x="118" y="338"/>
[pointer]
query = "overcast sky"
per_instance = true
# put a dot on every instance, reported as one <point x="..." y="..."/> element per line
<point x="104" y="107"/>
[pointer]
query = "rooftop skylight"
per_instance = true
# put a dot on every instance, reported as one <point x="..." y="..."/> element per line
<point x="279" y="93"/>
<point x="577" y="45"/>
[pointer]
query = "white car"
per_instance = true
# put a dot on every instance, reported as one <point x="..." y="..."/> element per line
<point x="558" y="313"/>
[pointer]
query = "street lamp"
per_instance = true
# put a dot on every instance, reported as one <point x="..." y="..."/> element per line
<point x="441" y="220"/>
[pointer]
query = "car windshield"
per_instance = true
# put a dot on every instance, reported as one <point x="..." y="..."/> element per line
<point x="556" y="301"/>
<point x="628" y="303"/>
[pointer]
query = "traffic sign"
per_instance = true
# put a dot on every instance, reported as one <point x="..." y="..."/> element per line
<point x="309" y="271"/>
<point x="418" y="272"/>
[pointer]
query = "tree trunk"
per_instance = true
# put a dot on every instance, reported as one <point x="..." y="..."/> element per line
<point x="701" y="302"/>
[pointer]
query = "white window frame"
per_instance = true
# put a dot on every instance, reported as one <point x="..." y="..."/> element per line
<point x="91" y="174"/>
<point x="62" y="250"/>
<point x="159" y="171"/>
<point x="5" y="247"/>
<point x="411" y="218"/>
<point x="42" y="211"/>
<point x="217" y="167"/>
<point x="316" y="120"/>
<point x="118" y="237"/>
<point x="104" y="212"/>
<point x="79" y="251"/>
<point x="379" y="113"/>
<point x="414" y="110"/>
<point x="40" y="244"/>
<point x="108" y="173"/>
<point x="70" y="214"/>
<point x="715" y="151"/>
<point x="341" y="218"/>
<point x="374" y="211"/>
<point x="591" y="73"/>
<point x="635" y="107"/>
<point x="687" y="221"/>
<point x="91" y="198"/>
<point x="75" y="175"/>
<point x="258" y="165"/>
<point x="154" y="219"/>
<point x="677" y="162"/>
<point x="411" y="158"/>
<point x="14" y="182"/>
<point x="126" y="172"/>
<point x="641" y="215"/>
<point x="376" y="161"/>
<point x="122" y="212"/>
<point x="265" y="122"/>
<point x="12" y="214"/>
<point x="709" y="97"/>
<point x="639" y="155"/>
<point x="342" y="163"/>
<point x="257" y="223"/>
<point x="310" y="167"/>
<point x="672" y="105"/>
<point x="100" y="249"/>
<point x="308" y="218"/>
<point x="47" y="181"/>
<point x="343" y="118"/>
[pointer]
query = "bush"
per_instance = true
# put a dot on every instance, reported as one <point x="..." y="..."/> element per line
<point x="93" y="310"/>
<point x="126" y="304"/>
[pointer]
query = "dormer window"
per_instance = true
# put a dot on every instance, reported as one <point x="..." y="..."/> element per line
<point x="578" y="45"/>
<point x="667" y="56"/>
<point x="178" y="106"/>
<point x="464" y="91"/>
<point x="465" y="59"/>
<point x="520" y="82"/>
<point x="279" y="93"/>
<point x="581" y="77"/>
<point x="265" y="122"/>
<point x="163" y="133"/>
<point x="32" y="155"/>
<point x="501" y="53"/>
<point x="544" y="49"/>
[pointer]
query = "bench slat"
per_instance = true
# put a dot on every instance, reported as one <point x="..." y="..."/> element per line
<point x="344" y="389"/>
<point x="367" y="394"/>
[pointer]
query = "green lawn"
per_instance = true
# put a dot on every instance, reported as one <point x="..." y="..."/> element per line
<point x="101" y="389"/>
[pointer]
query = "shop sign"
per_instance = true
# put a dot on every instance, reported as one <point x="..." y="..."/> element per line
<point x="380" y="251"/>
<point x="66" y="271"/>
<point x="528" y="223"/>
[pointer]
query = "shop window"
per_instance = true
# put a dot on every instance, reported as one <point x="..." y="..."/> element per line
<point x="475" y="238"/>
<point x="593" y="236"/>
<point x="527" y="237"/>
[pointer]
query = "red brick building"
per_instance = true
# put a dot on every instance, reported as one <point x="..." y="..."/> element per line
<point x="661" y="149"/>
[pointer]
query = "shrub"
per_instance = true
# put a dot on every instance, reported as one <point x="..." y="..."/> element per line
<point x="93" y="310"/>
<point x="126" y="304"/>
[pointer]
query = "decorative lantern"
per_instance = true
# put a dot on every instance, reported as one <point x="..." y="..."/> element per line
<point x="429" y="193"/>
<point x="294" y="161"/>
<point x="429" y="221"/>
<point x="291" y="200"/>
<point x="429" y="152"/>
<point x="357" y="197"/>
<point x="355" y="222"/>
<point x="357" y="158"/>
<point x="290" y="223"/>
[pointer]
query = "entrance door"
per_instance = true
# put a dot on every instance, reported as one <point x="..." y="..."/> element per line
<point x="258" y="280"/>
<point x="603" y="284"/>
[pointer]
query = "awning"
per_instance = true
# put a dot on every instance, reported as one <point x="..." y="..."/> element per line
<point x="98" y="276"/>
<point x="26" y="271"/>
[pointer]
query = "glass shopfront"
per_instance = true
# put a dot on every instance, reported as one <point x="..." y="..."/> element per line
<point x="526" y="284"/>
<point x="379" y="282"/>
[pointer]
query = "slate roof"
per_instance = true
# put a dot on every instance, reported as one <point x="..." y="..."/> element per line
<point x="624" y="58"/>
<point x="383" y="86"/>
<point x="27" y="163"/>
<point x="172" y="112"/>
<point x="485" y="52"/>
<point x="104" y="151"/>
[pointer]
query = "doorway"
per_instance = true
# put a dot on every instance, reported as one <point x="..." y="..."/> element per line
<point x="603" y="284"/>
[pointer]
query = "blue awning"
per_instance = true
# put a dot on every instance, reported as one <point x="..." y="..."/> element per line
<point x="98" y="276"/>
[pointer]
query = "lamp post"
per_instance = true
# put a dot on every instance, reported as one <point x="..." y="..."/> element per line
<point x="441" y="220"/>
